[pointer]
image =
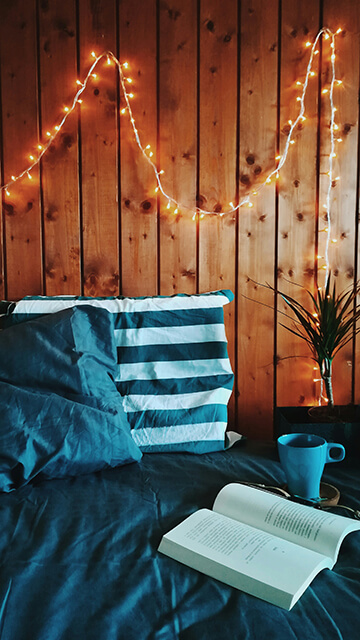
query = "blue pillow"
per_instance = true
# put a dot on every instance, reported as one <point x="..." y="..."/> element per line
<point x="173" y="371"/>
<point x="61" y="413"/>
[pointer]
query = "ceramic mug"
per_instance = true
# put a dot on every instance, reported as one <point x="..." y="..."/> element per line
<point x="303" y="457"/>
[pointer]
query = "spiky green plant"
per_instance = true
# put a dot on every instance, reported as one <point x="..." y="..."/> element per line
<point x="327" y="327"/>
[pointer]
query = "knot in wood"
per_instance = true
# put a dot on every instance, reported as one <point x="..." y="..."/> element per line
<point x="146" y="205"/>
<point x="250" y="159"/>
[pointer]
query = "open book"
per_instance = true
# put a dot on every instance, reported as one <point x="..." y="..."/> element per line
<point x="260" y="543"/>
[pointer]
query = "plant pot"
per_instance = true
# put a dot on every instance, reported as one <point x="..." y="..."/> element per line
<point x="337" y="424"/>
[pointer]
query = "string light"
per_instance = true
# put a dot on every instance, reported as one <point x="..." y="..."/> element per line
<point x="148" y="154"/>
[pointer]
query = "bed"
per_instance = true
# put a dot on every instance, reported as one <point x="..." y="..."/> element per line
<point x="87" y="493"/>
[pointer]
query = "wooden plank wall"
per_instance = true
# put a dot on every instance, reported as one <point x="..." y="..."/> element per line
<point x="214" y="85"/>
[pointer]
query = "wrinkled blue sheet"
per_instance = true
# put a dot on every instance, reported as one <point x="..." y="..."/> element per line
<point x="79" y="557"/>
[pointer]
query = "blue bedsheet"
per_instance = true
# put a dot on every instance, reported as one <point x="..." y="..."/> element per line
<point x="79" y="557"/>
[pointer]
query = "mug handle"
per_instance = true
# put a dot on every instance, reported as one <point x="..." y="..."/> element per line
<point x="335" y="452"/>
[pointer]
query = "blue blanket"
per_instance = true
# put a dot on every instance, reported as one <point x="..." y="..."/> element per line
<point x="79" y="557"/>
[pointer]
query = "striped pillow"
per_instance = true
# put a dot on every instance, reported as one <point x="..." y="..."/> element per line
<point x="174" y="371"/>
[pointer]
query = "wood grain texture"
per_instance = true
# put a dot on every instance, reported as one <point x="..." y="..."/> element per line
<point x="139" y="218"/>
<point x="217" y="156"/>
<point x="177" y="143"/>
<point x="297" y="198"/>
<point x="258" y="92"/>
<point x="60" y="180"/>
<point x="22" y="215"/>
<point x="99" y="151"/>
<point x="343" y="194"/>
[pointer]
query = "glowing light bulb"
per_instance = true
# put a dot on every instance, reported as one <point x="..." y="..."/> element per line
<point x="93" y="54"/>
<point x="29" y="175"/>
<point x="39" y="147"/>
<point x="339" y="30"/>
<point x="312" y="73"/>
<point x="57" y="128"/>
<point x="130" y="95"/>
<point x="168" y="205"/>
<point x="126" y="65"/>
<point x="123" y="111"/>
<point x="308" y="44"/>
<point x="48" y="134"/>
<point x="78" y="82"/>
<point x="129" y="80"/>
<point x="292" y="141"/>
<point x="151" y="154"/>
<point x="66" y="109"/>
<point x="250" y="204"/>
<point x="7" y="192"/>
<point x="325" y="91"/>
<point x="31" y="157"/>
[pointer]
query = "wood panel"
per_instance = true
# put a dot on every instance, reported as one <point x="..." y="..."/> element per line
<point x="139" y="252"/>
<point x="343" y="194"/>
<point x="213" y="93"/>
<point x="258" y="123"/>
<point x="22" y="215"/>
<point x="177" y="143"/>
<point x="99" y="150"/>
<point x="217" y="157"/>
<point x="297" y="197"/>
<point x="60" y="180"/>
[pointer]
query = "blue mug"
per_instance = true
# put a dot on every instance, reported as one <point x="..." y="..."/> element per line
<point x="303" y="457"/>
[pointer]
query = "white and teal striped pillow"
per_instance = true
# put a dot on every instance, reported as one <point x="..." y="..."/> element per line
<point x="174" y="371"/>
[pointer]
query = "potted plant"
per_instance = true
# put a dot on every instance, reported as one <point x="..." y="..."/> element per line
<point x="326" y="326"/>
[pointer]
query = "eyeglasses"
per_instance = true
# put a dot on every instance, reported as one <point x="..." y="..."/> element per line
<point x="321" y="503"/>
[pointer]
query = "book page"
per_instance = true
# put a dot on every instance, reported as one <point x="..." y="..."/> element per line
<point x="309" y="527"/>
<point x="244" y="557"/>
